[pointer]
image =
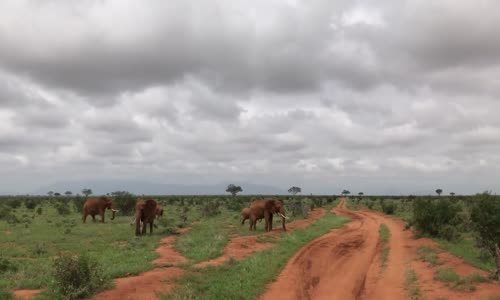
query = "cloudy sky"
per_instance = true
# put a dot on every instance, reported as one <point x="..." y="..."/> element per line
<point x="397" y="96"/>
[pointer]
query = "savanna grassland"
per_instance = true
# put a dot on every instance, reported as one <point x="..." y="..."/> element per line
<point x="437" y="246"/>
<point x="36" y="230"/>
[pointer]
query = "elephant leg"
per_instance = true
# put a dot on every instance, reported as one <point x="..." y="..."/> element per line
<point x="93" y="218"/>
<point x="150" y="228"/>
<point x="84" y="218"/>
<point x="102" y="216"/>
<point x="143" y="227"/>
<point x="270" y="222"/>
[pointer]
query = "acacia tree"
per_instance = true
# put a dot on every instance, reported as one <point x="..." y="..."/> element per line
<point x="345" y="192"/>
<point x="294" y="190"/>
<point x="234" y="189"/>
<point x="87" y="192"/>
<point x="439" y="191"/>
<point x="485" y="217"/>
<point x="452" y="194"/>
<point x="68" y="193"/>
<point x="51" y="193"/>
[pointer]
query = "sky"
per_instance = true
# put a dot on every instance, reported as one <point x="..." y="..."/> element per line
<point x="396" y="96"/>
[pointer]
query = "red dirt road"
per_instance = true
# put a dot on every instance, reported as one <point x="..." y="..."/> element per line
<point x="345" y="264"/>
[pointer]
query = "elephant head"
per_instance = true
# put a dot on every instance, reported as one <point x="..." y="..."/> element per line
<point x="275" y="206"/>
<point x="108" y="204"/>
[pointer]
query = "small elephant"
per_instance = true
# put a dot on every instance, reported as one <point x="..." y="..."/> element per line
<point x="159" y="211"/>
<point x="245" y="215"/>
<point x="145" y="213"/>
<point x="265" y="208"/>
<point x="98" y="206"/>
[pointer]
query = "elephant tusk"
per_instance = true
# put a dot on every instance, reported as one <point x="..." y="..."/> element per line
<point x="283" y="216"/>
<point x="115" y="210"/>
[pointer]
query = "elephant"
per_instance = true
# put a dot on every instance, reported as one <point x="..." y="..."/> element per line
<point x="159" y="211"/>
<point x="265" y="208"/>
<point x="97" y="206"/>
<point x="245" y="215"/>
<point x="158" y="214"/>
<point x="145" y="213"/>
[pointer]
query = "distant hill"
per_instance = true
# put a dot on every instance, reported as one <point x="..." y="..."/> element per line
<point x="100" y="187"/>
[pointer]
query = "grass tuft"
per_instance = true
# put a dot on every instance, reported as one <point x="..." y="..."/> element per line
<point x="384" y="235"/>
<point x="428" y="254"/>
<point x="412" y="284"/>
<point x="455" y="281"/>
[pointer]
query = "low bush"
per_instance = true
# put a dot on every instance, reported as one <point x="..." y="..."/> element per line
<point x="125" y="202"/>
<point x="78" y="276"/>
<point x="6" y="265"/>
<point x="436" y="217"/>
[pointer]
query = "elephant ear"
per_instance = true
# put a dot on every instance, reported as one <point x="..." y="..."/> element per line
<point x="270" y="205"/>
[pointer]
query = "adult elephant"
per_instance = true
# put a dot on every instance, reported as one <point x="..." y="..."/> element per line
<point x="97" y="206"/>
<point x="266" y="208"/>
<point x="145" y="213"/>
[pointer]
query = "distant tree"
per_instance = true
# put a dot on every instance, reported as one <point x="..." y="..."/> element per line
<point x="361" y="194"/>
<point x="87" y="192"/>
<point x="294" y="190"/>
<point x="57" y="194"/>
<point x="51" y="193"/>
<point x="439" y="191"/>
<point x="452" y="194"/>
<point x="234" y="189"/>
<point x="345" y="192"/>
<point x="68" y="193"/>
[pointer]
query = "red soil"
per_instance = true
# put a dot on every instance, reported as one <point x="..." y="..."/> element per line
<point x="148" y="285"/>
<point x="345" y="264"/>
<point x="26" y="294"/>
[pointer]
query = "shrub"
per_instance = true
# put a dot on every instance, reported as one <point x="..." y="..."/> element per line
<point x="78" y="276"/>
<point x="39" y="249"/>
<point x="14" y="203"/>
<point x="5" y="295"/>
<point x="6" y="265"/>
<point x="125" y="202"/>
<point x="4" y="212"/>
<point x="79" y="201"/>
<point x="432" y="217"/>
<point x="30" y="203"/>
<point x="485" y="217"/>
<point x="39" y="210"/>
<point x="388" y="208"/>
<point x="62" y="208"/>
<point x="211" y="208"/>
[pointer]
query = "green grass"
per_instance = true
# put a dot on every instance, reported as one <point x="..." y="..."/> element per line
<point x="351" y="204"/>
<point x="468" y="251"/>
<point x="428" y="254"/>
<point x="384" y="235"/>
<point x="207" y="238"/>
<point x="455" y="281"/>
<point x="32" y="247"/>
<point x="246" y="279"/>
<point x="412" y="284"/>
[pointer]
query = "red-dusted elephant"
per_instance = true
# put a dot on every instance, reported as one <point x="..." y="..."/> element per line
<point x="145" y="213"/>
<point x="158" y="211"/>
<point x="97" y="206"/>
<point x="266" y="208"/>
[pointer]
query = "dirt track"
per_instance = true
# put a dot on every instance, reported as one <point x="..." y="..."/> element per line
<point x="345" y="264"/>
